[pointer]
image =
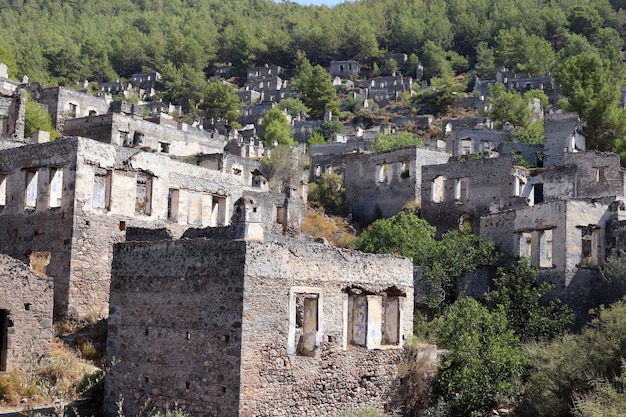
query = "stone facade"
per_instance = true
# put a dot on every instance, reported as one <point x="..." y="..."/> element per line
<point x="74" y="198"/>
<point x="344" y="69"/>
<point x="25" y="315"/>
<point x="470" y="141"/>
<point x="278" y="328"/>
<point x="64" y="104"/>
<point x="133" y="131"/>
<point x="565" y="239"/>
<point x="380" y="184"/>
<point x="462" y="191"/>
<point x="12" y="114"/>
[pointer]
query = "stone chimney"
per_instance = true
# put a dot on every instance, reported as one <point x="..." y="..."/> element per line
<point x="246" y="220"/>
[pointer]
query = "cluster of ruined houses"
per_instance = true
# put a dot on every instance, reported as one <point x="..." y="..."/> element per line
<point x="215" y="301"/>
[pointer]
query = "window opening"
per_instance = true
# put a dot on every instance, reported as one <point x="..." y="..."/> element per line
<point x="545" y="249"/>
<point x="143" y="194"/>
<point x="3" y="189"/>
<point x="438" y="189"/>
<point x="55" y="191"/>
<point x="589" y="246"/>
<point x="466" y="146"/>
<point x="4" y="335"/>
<point x="101" y="197"/>
<point x="173" y="199"/>
<point x="525" y="245"/>
<point x="31" y="190"/>
<point x="460" y="191"/>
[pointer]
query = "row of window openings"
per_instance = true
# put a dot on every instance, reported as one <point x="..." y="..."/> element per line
<point x="461" y="189"/>
<point x="372" y="321"/>
<point x="588" y="254"/>
<point x="382" y="172"/>
<point x="143" y="200"/>
<point x="55" y="188"/>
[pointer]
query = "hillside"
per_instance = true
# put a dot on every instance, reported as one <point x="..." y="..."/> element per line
<point x="71" y="41"/>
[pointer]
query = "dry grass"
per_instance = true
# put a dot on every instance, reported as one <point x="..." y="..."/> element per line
<point x="334" y="229"/>
<point x="55" y="378"/>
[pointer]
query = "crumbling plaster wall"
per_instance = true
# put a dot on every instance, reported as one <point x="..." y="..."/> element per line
<point x="175" y="326"/>
<point x="60" y="102"/>
<point x="207" y="323"/>
<point x="12" y="113"/>
<point x="26" y="299"/>
<point x="380" y="184"/>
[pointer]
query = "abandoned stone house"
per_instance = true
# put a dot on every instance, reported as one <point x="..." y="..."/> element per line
<point x="520" y="82"/>
<point x="63" y="104"/>
<point x="125" y="126"/>
<point x="280" y="326"/>
<point x="264" y="71"/>
<point x="467" y="141"/>
<point x="331" y="157"/>
<point x="344" y="69"/>
<point x="74" y="197"/>
<point x="381" y="184"/>
<point x="25" y="315"/>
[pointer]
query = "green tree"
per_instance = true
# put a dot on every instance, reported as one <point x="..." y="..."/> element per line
<point x="327" y="192"/>
<point x="569" y="365"/>
<point x="585" y="20"/>
<point x="592" y="89"/>
<point x="329" y="128"/>
<point x="386" y="142"/>
<point x="6" y="56"/>
<point x="317" y="91"/>
<point x="435" y="62"/>
<point x="220" y="101"/>
<point x="294" y="107"/>
<point x="485" y="61"/>
<point x="276" y="128"/>
<point x="516" y="291"/>
<point x="533" y="133"/>
<point x="508" y="106"/>
<point x="185" y="86"/>
<point x="517" y="50"/>
<point x="402" y="234"/>
<point x="483" y="365"/>
<point x="37" y="118"/>
<point x="442" y="93"/>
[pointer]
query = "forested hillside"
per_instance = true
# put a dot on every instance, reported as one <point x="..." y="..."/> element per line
<point x="58" y="41"/>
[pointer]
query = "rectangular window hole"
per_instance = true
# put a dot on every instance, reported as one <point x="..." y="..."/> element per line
<point x="226" y="338"/>
<point x="146" y="379"/>
<point x="87" y="223"/>
<point x="187" y="385"/>
<point x="122" y="225"/>
<point x="27" y="306"/>
<point x="224" y="389"/>
<point x="147" y="332"/>
<point x="188" y="336"/>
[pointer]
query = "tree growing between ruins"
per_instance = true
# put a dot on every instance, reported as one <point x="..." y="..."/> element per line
<point x="276" y="128"/>
<point x="386" y="142"/>
<point x="37" y="118"/>
<point x="591" y="85"/>
<point x="220" y="102"/>
<point x="315" y="86"/>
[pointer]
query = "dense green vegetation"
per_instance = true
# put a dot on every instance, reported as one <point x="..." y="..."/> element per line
<point x="55" y="41"/>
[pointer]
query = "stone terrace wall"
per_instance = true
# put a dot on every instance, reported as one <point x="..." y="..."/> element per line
<point x="26" y="311"/>
<point x="175" y="326"/>
<point x="338" y="375"/>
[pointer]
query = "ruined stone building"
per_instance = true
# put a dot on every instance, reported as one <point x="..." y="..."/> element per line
<point x="25" y="315"/>
<point x="559" y="215"/>
<point x="74" y="197"/>
<point x="63" y="104"/>
<point x="381" y="184"/>
<point x="255" y="324"/>
<point x="12" y="107"/>
<point x="344" y="69"/>
<point x="125" y="126"/>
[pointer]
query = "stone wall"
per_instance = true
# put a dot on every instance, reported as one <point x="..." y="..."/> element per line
<point x="241" y="328"/>
<point x="379" y="185"/>
<point x="104" y="189"/>
<point x="25" y="316"/>
<point x="12" y="111"/>
<point x="64" y="104"/>
<point x="565" y="239"/>
<point x="462" y="191"/>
